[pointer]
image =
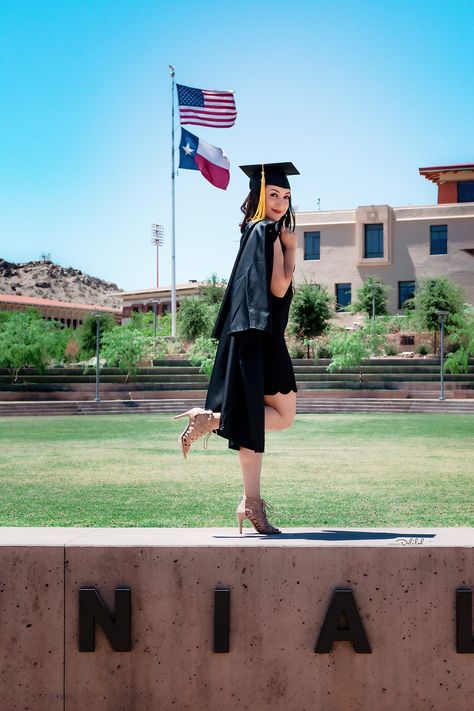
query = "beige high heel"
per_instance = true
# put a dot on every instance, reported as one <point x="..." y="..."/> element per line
<point x="255" y="511"/>
<point x="200" y="422"/>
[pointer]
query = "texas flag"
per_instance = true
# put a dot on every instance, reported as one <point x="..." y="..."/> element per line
<point x="196" y="154"/>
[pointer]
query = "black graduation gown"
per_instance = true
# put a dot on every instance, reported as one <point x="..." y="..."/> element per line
<point x="236" y="386"/>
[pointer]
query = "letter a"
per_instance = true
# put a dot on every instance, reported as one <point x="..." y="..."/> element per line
<point x="343" y="602"/>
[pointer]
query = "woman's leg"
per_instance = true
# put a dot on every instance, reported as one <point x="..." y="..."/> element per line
<point x="280" y="412"/>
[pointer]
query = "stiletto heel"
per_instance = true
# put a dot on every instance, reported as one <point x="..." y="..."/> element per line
<point x="200" y="422"/>
<point x="240" y="518"/>
<point x="188" y="412"/>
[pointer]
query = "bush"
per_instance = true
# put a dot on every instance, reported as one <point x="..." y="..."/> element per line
<point x="87" y="333"/>
<point x="203" y="353"/>
<point x="422" y="349"/>
<point x="310" y="312"/>
<point x="391" y="350"/>
<point x="350" y="348"/>
<point x="125" y="348"/>
<point x="323" y="350"/>
<point x="364" y="301"/>
<point x="29" y="341"/>
<point x="168" y="345"/>
<point x="296" y="349"/>
<point x="194" y="318"/>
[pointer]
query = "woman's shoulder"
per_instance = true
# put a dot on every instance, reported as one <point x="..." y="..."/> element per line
<point x="261" y="228"/>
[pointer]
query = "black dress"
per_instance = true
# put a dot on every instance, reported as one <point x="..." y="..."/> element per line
<point x="279" y="376"/>
<point x="252" y="358"/>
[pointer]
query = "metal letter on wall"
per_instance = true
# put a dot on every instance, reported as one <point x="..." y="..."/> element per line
<point x="221" y="619"/>
<point x="343" y="602"/>
<point x="464" y="638"/>
<point x="117" y="628"/>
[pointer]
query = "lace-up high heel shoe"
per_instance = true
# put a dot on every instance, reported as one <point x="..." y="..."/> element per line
<point x="200" y="422"/>
<point x="255" y="511"/>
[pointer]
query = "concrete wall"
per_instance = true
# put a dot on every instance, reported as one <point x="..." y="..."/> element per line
<point x="406" y="247"/>
<point x="403" y="581"/>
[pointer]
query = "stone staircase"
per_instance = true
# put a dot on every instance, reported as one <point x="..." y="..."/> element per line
<point x="387" y="385"/>
<point x="173" y="406"/>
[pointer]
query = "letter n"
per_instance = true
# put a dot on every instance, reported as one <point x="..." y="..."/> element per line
<point x="464" y="638"/>
<point x="343" y="602"/>
<point x="117" y="628"/>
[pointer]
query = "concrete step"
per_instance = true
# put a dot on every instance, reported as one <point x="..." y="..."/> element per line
<point x="303" y="405"/>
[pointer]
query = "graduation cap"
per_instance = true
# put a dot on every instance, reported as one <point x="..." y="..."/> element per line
<point x="267" y="174"/>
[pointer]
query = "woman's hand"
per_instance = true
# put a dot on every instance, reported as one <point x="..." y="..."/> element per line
<point x="287" y="238"/>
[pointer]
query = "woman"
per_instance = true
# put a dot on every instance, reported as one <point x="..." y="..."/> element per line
<point x="252" y="388"/>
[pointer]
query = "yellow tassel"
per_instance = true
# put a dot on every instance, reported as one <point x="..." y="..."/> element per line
<point x="260" y="214"/>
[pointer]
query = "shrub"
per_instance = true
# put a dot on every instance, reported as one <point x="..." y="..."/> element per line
<point x="422" y="349"/>
<point x="390" y="349"/>
<point x="364" y="300"/>
<point x="203" y="353"/>
<point x="296" y="349"/>
<point x="323" y="350"/>
<point x="310" y="312"/>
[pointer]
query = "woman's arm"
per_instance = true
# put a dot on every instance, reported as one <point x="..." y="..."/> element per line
<point x="283" y="266"/>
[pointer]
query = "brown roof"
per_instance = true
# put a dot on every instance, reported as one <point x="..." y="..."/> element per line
<point x="39" y="301"/>
<point x="432" y="172"/>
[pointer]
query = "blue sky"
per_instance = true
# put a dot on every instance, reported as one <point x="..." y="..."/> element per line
<point x="358" y="95"/>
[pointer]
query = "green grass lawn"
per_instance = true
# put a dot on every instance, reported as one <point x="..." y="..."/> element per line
<point x="326" y="470"/>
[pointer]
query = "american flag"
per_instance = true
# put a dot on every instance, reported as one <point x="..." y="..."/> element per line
<point x="206" y="107"/>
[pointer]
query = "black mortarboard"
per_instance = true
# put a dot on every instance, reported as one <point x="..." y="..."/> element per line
<point x="275" y="174"/>
<point x="262" y="174"/>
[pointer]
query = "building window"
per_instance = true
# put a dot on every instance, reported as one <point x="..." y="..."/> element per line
<point x="373" y="241"/>
<point x="438" y="239"/>
<point x="466" y="191"/>
<point x="311" y="245"/>
<point x="406" y="290"/>
<point x="343" y="296"/>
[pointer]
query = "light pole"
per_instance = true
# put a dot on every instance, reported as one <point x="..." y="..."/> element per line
<point x="157" y="233"/>
<point x="373" y="289"/>
<point x="155" y="303"/>
<point x="97" y="317"/>
<point x="441" y="314"/>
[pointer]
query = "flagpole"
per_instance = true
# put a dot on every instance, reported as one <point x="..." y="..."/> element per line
<point x="173" y="252"/>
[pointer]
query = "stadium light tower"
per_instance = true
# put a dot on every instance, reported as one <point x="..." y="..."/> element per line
<point x="157" y="232"/>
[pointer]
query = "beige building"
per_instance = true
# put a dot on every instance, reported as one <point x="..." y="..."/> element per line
<point x="69" y="314"/>
<point x="399" y="245"/>
<point x="159" y="298"/>
<point x="341" y="248"/>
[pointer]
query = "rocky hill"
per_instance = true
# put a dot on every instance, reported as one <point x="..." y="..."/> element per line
<point x="52" y="281"/>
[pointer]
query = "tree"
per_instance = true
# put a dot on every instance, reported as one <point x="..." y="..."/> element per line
<point x="432" y="294"/>
<point x="87" y="332"/>
<point x="213" y="292"/>
<point x="350" y="348"/>
<point x="126" y="347"/>
<point x="193" y="318"/>
<point x="462" y="335"/>
<point x="310" y="311"/>
<point x="26" y="341"/>
<point x="364" y="299"/>
<point x="144" y="322"/>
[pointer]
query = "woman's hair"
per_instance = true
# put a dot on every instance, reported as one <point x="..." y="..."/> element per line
<point x="249" y="208"/>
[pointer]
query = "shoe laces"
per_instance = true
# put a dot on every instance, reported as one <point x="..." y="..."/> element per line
<point x="206" y="438"/>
